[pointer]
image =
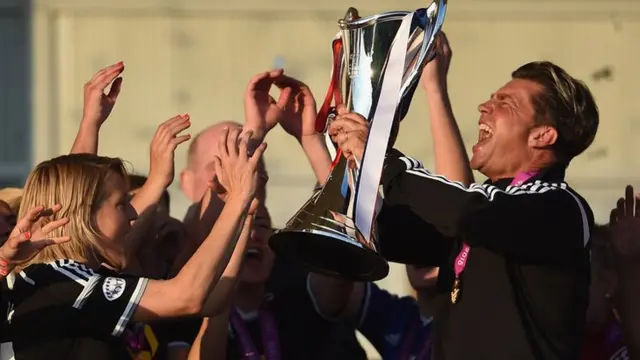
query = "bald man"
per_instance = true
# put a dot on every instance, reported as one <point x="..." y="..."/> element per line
<point x="199" y="171"/>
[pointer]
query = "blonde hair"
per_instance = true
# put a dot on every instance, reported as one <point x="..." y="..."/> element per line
<point x="77" y="182"/>
<point x="12" y="196"/>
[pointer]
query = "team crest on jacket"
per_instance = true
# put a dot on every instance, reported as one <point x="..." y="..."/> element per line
<point x="112" y="288"/>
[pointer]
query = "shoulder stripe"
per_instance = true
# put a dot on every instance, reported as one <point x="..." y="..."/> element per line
<point x="414" y="167"/>
<point x="87" y="291"/>
<point x="131" y="307"/>
<point x="73" y="270"/>
<point x="26" y="278"/>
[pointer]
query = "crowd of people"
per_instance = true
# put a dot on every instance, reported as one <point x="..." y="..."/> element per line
<point x="94" y="267"/>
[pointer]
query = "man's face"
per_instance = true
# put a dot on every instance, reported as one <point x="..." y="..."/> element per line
<point x="505" y="125"/>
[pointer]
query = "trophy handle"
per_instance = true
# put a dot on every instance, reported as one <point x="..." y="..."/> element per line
<point x="429" y="19"/>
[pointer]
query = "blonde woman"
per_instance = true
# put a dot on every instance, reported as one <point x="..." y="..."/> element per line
<point x="70" y="301"/>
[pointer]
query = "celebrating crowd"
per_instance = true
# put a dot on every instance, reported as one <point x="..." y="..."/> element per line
<point x="94" y="267"/>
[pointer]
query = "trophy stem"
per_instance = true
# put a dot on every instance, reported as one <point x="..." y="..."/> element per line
<point x="322" y="238"/>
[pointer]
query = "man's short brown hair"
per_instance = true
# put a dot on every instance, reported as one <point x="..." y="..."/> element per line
<point x="565" y="104"/>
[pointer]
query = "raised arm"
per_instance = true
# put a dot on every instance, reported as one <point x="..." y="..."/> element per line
<point x="213" y="338"/>
<point x="451" y="158"/>
<point x="398" y="227"/>
<point x="220" y="297"/>
<point x="186" y="293"/>
<point x="161" y="172"/>
<point x="97" y="107"/>
<point x="299" y="120"/>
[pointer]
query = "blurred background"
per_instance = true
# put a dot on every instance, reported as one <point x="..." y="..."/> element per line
<point x="196" y="56"/>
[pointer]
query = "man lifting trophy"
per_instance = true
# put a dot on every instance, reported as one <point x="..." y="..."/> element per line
<point x="377" y="62"/>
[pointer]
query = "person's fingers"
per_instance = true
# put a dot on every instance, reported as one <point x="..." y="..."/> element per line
<point x="629" y="201"/>
<point x="116" y="86"/>
<point x="232" y="142"/>
<point x="613" y="217"/>
<point x="14" y="242"/>
<point x="43" y="243"/>
<point x="101" y="73"/>
<point x="357" y="118"/>
<point x="222" y="144"/>
<point x="107" y="77"/>
<point x="179" y="140"/>
<point x="257" y="155"/>
<point x="163" y="134"/>
<point x="257" y="80"/>
<point x="26" y="222"/>
<point x="178" y="124"/>
<point x="284" y="97"/>
<point x="346" y="124"/>
<point x="621" y="208"/>
<point x="53" y="225"/>
<point x="243" y="146"/>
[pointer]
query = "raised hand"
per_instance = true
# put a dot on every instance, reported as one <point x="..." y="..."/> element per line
<point x="163" y="146"/>
<point x="258" y="200"/>
<point x="97" y="104"/>
<point x="625" y="226"/>
<point x="262" y="111"/>
<point x="349" y="131"/>
<point x="299" y="115"/>
<point x="435" y="71"/>
<point x="237" y="171"/>
<point x="32" y="233"/>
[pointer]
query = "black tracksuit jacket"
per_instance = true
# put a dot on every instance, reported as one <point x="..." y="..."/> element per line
<point x="524" y="290"/>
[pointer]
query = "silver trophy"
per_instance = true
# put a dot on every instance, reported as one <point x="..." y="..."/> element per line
<point x="376" y="74"/>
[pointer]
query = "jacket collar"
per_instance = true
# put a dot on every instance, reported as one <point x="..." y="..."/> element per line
<point x="554" y="174"/>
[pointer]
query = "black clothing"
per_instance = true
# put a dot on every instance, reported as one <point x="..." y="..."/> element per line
<point x="175" y="333"/>
<point x="303" y="334"/>
<point x="525" y="287"/>
<point x="64" y="310"/>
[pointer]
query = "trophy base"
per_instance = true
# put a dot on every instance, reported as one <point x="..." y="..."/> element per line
<point x="330" y="254"/>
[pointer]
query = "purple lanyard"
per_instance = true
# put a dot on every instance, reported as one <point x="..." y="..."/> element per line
<point x="135" y="339"/>
<point x="613" y="334"/>
<point x="409" y="342"/>
<point x="268" y="332"/>
<point x="463" y="256"/>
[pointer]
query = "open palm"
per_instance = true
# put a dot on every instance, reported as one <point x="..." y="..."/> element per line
<point x="625" y="225"/>
<point x="32" y="234"/>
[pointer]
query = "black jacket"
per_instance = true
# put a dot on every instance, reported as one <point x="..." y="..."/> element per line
<point x="524" y="290"/>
